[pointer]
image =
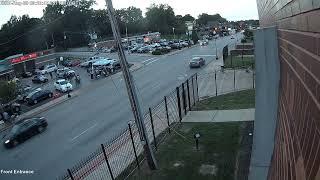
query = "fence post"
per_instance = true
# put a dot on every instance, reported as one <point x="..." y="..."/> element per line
<point x="106" y="158"/>
<point x="152" y="125"/>
<point x="197" y="86"/>
<point x="167" y="113"/>
<point x="70" y="174"/>
<point x="179" y="104"/>
<point x="133" y="145"/>
<point x="215" y="82"/>
<point x="252" y="76"/>
<point x="234" y="79"/>
<point x="184" y="99"/>
<point x="188" y="95"/>
<point x="194" y="100"/>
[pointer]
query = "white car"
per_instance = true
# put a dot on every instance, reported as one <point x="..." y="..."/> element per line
<point x="49" y="68"/>
<point x="63" y="85"/>
<point x="91" y="60"/>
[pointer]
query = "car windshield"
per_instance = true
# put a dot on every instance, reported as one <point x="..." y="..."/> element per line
<point x="63" y="82"/>
<point x="15" y="129"/>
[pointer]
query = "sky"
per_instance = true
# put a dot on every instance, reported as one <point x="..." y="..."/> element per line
<point x="229" y="9"/>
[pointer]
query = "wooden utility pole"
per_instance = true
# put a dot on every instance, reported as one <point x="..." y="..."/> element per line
<point x="131" y="90"/>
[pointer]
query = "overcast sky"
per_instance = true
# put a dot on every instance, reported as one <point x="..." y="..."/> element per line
<point x="230" y="9"/>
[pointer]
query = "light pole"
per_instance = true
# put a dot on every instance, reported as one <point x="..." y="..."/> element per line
<point x="174" y="35"/>
<point x="215" y="42"/>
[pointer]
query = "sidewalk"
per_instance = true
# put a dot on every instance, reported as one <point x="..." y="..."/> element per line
<point x="220" y="115"/>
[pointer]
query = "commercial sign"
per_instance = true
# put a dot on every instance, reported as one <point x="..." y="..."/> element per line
<point x="23" y="58"/>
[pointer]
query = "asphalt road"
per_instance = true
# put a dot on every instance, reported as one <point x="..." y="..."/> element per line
<point x="78" y="126"/>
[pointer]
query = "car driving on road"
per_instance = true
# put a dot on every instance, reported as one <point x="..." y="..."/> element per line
<point x="23" y="130"/>
<point x="37" y="96"/>
<point x="63" y="85"/>
<point x="197" y="62"/>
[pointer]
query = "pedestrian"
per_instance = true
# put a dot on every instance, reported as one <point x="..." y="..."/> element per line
<point x="50" y="73"/>
<point x="77" y="80"/>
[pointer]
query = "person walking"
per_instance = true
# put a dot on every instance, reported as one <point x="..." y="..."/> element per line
<point x="50" y="73"/>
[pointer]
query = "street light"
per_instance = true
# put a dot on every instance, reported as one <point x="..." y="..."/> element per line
<point x="174" y="36"/>
<point x="215" y="42"/>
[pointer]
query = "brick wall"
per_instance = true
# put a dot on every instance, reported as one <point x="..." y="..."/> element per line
<point x="297" y="142"/>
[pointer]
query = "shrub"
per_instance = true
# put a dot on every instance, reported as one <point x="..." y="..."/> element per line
<point x="156" y="52"/>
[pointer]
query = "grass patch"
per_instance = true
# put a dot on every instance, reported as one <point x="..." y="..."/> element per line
<point x="239" y="62"/>
<point x="178" y="158"/>
<point x="236" y="100"/>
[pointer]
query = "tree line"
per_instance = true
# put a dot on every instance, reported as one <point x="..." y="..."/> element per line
<point x="71" y="26"/>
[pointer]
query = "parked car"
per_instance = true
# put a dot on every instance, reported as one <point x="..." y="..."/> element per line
<point x="143" y="49"/>
<point x="37" y="96"/>
<point x="24" y="92"/>
<point x="203" y="43"/>
<point x="90" y="60"/>
<point x="71" y="63"/>
<point x="63" y="85"/>
<point x="232" y="37"/>
<point x="39" y="79"/>
<point x="65" y="73"/>
<point x="26" y="74"/>
<point x="49" y="68"/>
<point x="23" y="130"/>
<point x="197" y="62"/>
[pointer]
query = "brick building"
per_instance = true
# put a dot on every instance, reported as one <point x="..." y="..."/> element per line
<point x="296" y="152"/>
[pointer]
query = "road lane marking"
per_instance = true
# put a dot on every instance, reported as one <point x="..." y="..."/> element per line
<point x="150" y="59"/>
<point x="151" y="62"/>
<point x="84" y="132"/>
<point x="205" y="55"/>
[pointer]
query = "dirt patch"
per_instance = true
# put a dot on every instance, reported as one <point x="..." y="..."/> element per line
<point x="206" y="169"/>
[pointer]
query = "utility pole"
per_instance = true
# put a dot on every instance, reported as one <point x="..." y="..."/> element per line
<point x="215" y="42"/>
<point x="52" y="39"/>
<point x="131" y="90"/>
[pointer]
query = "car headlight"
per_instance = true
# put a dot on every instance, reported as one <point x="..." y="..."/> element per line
<point x="7" y="141"/>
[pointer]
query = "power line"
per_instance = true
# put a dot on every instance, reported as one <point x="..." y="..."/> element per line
<point x="21" y="35"/>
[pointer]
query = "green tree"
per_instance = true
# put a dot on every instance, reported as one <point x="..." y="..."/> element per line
<point x="204" y="18"/>
<point x="195" y="37"/>
<point x="130" y="18"/>
<point x="160" y="18"/>
<point x="188" y="17"/>
<point x="8" y="91"/>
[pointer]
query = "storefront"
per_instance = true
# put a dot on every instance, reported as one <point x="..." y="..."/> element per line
<point x="6" y="70"/>
<point x="26" y="63"/>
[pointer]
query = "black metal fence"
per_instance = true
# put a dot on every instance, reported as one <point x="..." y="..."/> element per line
<point x="220" y="82"/>
<point x="121" y="156"/>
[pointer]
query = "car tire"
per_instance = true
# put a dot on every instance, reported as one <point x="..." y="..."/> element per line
<point x="35" y="101"/>
<point x="40" y="129"/>
<point x="50" y="95"/>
